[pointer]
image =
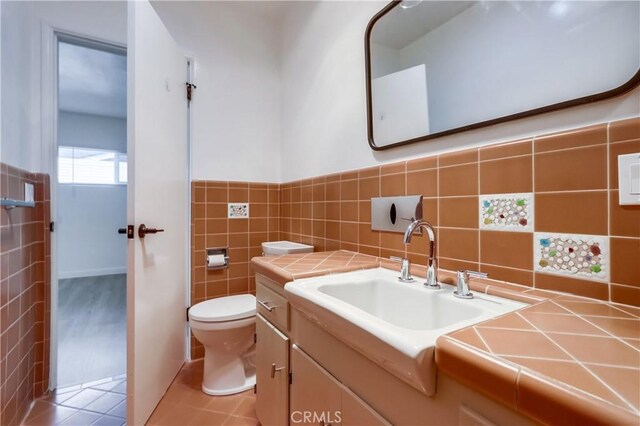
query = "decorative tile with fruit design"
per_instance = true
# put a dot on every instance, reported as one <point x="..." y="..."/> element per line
<point x="506" y="212"/>
<point x="581" y="256"/>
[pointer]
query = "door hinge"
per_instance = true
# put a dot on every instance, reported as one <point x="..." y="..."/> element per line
<point x="190" y="88"/>
<point x="291" y="377"/>
<point x="255" y="388"/>
<point x="52" y="226"/>
<point x="187" y="309"/>
<point x="255" y="337"/>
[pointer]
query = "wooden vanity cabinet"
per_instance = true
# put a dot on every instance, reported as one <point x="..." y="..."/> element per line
<point x="272" y="374"/>
<point x="315" y="394"/>
<point x="292" y="388"/>
<point x="318" y="398"/>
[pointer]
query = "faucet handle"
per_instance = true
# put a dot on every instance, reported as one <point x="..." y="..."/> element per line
<point x="469" y="273"/>
<point x="462" y="291"/>
<point x="405" y="271"/>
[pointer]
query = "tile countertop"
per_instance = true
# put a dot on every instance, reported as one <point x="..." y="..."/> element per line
<point x="562" y="359"/>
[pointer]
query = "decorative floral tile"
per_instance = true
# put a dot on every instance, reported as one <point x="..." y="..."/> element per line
<point x="507" y="212"/>
<point x="238" y="210"/>
<point x="580" y="256"/>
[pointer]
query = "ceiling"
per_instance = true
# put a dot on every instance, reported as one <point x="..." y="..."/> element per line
<point x="92" y="81"/>
<point x="401" y="27"/>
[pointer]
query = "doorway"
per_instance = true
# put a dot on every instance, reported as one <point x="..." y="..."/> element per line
<point x="91" y="187"/>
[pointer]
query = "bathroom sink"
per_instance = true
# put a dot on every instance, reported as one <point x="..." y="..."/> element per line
<point x="392" y="323"/>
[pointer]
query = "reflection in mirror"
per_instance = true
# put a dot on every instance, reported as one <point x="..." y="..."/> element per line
<point x="436" y="67"/>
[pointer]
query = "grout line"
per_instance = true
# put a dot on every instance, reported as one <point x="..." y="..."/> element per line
<point x="565" y="333"/>
<point x="574" y="148"/>
<point x="535" y="220"/>
<point x="479" y="216"/>
<point x="489" y="160"/>
<point x="635" y="410"/>
<point x="609" y="334"/>
<point x="567" y="361"/>
<point x="608" y="171"/>
<point x="482" y="339"/>
<point x="570" y="191"/>
<point x="438" y="215"/>
<point x="597" y="302"/>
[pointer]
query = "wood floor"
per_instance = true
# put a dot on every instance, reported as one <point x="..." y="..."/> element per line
<point x="92" y="328"/>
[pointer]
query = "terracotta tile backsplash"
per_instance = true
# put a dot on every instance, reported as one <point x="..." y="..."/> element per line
<point x="572" y="177"/>
<point x="210" y="227"/>
<point x="24" y="297"/>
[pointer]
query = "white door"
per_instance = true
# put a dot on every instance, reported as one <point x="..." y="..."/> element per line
<point x="157" y="198"/>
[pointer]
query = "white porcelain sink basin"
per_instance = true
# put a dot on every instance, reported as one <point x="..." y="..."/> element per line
<point x="392" y="323"/>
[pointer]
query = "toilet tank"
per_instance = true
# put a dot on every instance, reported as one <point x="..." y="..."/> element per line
<point x="273" y="248"/>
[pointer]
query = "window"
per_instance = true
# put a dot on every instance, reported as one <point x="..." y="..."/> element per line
<point x="91" y="166"/>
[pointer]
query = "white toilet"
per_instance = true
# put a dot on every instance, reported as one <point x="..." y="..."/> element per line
<point x="226" y="328"/>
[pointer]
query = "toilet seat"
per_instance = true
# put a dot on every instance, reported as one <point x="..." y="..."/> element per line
<point x="221" y="325"/>
<point x="224" y="309"/>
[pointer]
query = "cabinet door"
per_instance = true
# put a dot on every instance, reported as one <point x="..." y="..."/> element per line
<point x="356" y="412"/>
<point x="272" y="374"/>
<point x="315" y="394"/>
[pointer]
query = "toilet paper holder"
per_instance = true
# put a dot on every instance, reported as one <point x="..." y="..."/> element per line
<point x="217" y="251"/>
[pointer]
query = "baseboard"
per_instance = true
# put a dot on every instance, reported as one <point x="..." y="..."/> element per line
<point x="92" y="272"/>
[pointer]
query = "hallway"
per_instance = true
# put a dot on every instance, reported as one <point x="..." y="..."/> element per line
<point x="92" y="325"/>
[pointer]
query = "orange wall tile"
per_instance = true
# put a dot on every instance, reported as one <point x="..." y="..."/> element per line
<point x="211" y="228"/>
<point x="573" y="175"/>
<point x="25" y="259"/>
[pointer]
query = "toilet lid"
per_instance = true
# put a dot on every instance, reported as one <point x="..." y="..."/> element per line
<point x="227" y="308"/>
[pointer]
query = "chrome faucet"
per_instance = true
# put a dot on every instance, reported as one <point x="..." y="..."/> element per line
<point x="462" y="291"/>
<point x="432" y="266"/>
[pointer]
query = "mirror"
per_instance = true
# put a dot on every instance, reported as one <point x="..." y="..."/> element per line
<point x="439" y="67"/>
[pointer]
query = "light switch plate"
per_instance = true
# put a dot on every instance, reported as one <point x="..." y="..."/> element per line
<point x="629" y="179"/>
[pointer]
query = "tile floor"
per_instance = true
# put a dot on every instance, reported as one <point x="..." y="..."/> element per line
<point x="102" y="402"/>
<point x="184" y="403"/>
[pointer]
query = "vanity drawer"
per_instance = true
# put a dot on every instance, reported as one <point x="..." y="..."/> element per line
<point x="272" y="306"/>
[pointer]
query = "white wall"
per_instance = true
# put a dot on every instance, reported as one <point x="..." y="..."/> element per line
<point x="466" y="58"/>
<point x="261" y="111"/>
<point x="324" y="115"/>
<point x="19" y="136"/>
<point x="92" y="131"/>
<point x="384" y="60"/>
<point x="88" y="219"/>
<point x="89" y="215"/>
<point x="21" y="52"/>
<point x="236" y="119"/>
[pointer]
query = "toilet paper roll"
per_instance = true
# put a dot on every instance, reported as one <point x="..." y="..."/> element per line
<point x="214" y="260"/>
